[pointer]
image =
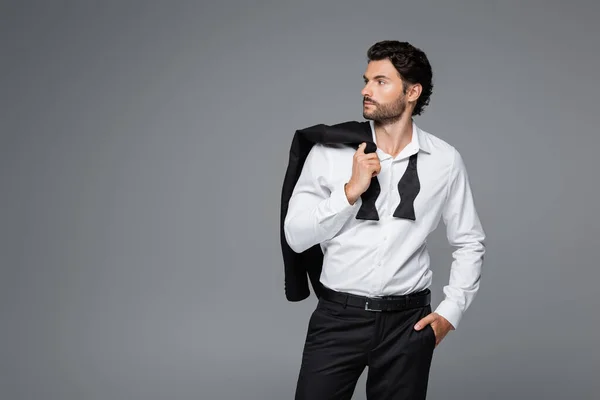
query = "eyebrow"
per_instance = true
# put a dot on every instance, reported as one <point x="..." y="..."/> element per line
<point x="376" y="77"/>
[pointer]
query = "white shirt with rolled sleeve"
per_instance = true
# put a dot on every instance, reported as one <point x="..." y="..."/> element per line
<point x="389" y="256"/>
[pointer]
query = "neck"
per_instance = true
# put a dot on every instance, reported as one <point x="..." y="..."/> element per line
<point x="393" y="136"/>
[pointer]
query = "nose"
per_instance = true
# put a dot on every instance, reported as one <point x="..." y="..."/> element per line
<point x="366" y="92"/>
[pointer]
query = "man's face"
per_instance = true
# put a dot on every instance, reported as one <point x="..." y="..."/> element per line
<point x="383" y="95"/>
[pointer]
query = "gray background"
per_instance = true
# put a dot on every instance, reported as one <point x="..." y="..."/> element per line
<point x="143" y="147"/>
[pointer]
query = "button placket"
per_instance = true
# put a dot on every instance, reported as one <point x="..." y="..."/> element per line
<point x="388" y="164"/>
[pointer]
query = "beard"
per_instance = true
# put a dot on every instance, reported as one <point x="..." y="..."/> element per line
<point x="388" y="113"/>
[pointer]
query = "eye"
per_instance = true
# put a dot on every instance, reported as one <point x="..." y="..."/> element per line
<point x="381" y="81"/>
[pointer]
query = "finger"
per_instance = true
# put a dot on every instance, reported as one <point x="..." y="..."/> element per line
<point x="373" y="169"/>
<point x="370" y="156"/>
<point x="361" y="148"/>
<point x="373" y="166"/>
<point x="425" y="321"/>
<point x="368" y="163"/>
<point x="369" y="159"/>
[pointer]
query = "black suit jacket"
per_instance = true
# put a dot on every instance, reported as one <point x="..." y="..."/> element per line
<point x="300" y="267"/>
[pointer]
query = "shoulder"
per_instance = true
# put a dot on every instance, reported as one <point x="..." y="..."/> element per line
<point x="442" y="150"/>
<point x="446" y="155"/>
<point x="323" y="155"/>
<point x="437" y="144"/>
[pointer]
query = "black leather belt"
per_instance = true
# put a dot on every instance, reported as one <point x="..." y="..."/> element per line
<point x="386" y="303"/>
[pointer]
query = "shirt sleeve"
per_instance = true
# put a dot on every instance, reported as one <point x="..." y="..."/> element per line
<point x="464" y="231"/>
<point x="316" y="211"/>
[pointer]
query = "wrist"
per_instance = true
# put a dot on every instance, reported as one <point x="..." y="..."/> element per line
<point x="351" y="195"/>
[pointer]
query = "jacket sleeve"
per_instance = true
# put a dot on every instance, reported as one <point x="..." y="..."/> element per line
<point x="316" y="211"/>
<point x="464" y="231"/>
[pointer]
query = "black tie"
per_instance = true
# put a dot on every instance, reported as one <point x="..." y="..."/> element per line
<point x="408" y="188"/>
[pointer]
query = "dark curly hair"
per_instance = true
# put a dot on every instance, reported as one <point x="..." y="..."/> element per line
<point x="412" y="65"/>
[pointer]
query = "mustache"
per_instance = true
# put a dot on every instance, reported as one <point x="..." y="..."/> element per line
<point x="366" y="100"/>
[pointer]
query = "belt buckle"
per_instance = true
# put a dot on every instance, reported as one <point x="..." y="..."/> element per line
<point x="370" y="309"/>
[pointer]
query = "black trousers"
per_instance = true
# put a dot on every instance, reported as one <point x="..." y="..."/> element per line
<point x="341" y="341"/>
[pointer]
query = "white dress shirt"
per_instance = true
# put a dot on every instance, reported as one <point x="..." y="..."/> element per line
<point x="389" y="256"/>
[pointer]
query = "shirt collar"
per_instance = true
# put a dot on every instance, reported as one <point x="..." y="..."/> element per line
<point x="419" y="139"/>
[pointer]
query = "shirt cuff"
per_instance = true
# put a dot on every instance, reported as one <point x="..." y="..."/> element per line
<point x="450" y="311"/>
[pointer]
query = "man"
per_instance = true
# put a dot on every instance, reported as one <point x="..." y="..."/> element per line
<point x="375" y="309"/>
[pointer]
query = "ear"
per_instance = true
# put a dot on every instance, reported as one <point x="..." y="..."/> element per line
<point x="414" y="92"/>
